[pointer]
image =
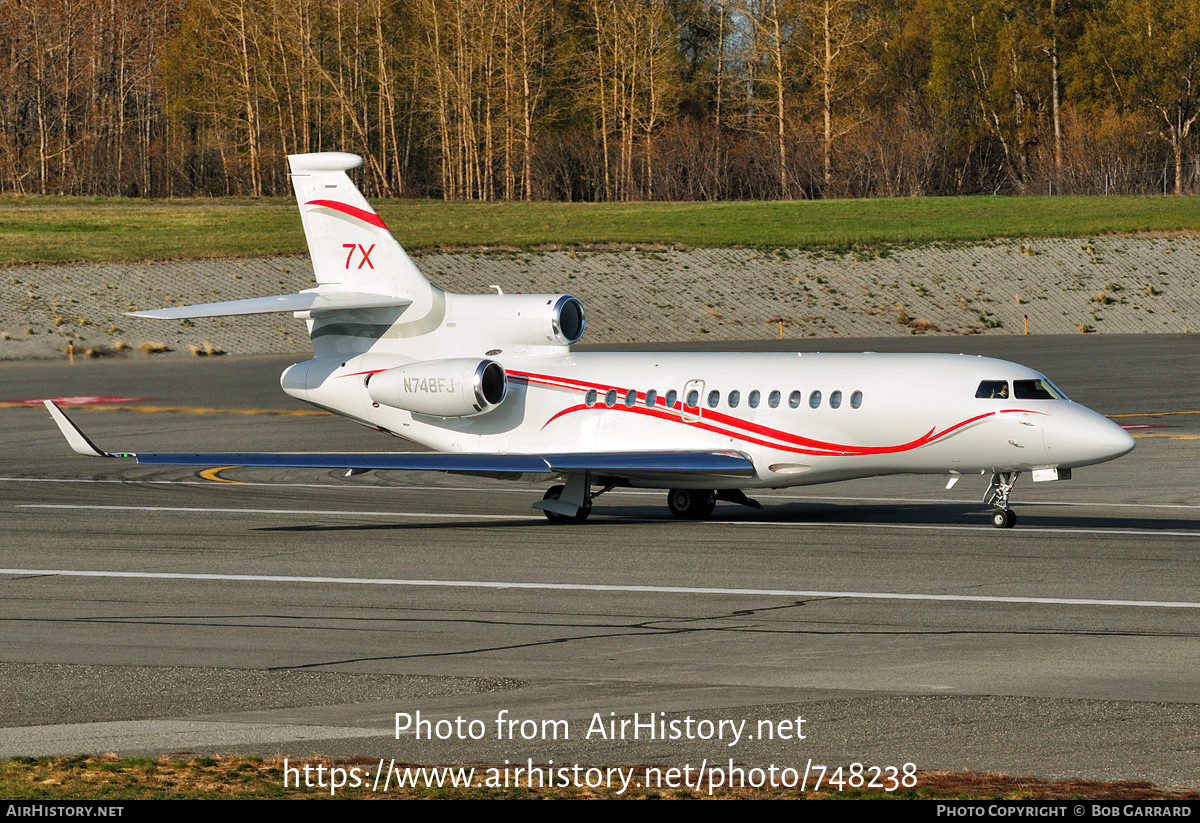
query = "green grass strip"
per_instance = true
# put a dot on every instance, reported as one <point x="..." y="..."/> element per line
<point x="112" y="778"/>
<point x="45" y="229"/>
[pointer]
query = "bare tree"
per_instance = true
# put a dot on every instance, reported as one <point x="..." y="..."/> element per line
<point x="836" y="30"/>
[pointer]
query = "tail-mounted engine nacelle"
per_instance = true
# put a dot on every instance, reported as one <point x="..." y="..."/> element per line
<point x="567" y="320"/>
<point x="442" y="388"/>
<point x="518" y="319"/>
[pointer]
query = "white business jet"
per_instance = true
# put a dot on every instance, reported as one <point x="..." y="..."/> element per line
<point x="490" y="384"/>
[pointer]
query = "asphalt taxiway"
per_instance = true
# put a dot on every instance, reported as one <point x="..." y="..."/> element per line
<point x="296" y="612"/>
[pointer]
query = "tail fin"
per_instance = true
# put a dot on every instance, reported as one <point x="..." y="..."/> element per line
<point x="350" y="246"/>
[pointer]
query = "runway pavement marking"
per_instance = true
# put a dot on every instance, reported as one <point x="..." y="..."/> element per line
<point x="180" y="735"/>
<point x="636" y="492"/>
<point x="74" y="400"/>
<point x="602" y="587"/>
<point x="113" y="406"/>
<point x="1027" y="531"/>
<point x="1140" y="435"/>
<point x="1153" y="414"/>
<point x="304" y="512"/>
<point x="214" y="475"/>
<point x="950" y="501"/>
<point x="181" y="409"/>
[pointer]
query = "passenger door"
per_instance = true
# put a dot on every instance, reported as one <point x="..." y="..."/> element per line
<point x="689" y="411"/>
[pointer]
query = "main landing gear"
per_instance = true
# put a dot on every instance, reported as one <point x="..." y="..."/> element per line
<point x="572" y="502"/>
<point x="997" y="495"/>
<point x="698" y="504"/>
<point x="691" y="504"/>
<point x="554" y="493"/>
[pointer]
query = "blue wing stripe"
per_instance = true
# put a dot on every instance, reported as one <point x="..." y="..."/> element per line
<point x="416" y="461"/>
<point x="724" y="463"/>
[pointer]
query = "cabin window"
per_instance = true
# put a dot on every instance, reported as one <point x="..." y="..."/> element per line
<point x="735" y="397"/>
<point x="693" y="398"/>
<point x="993" y="390"/>
<point x="835" y="400"/>
<point x="610" y="399"/>
<point x="856" y="400"/>
<point x="814" y="400"/>
<point x="794" y="399"/>
<point x="752" y="400"/>
<point x="773" y="400"/>
<point x="651" y="397"/>
<point x="714" y="399"/>
<point x="1034" y="390"/>
<point x="630" y="398"/>
<point x="590" y="399"/>
<point x="671" y="395"/>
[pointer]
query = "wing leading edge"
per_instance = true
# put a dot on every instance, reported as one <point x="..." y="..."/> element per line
<point x="619" y="464"/>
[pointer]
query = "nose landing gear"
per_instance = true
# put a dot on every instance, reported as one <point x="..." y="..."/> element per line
<point x="1004" y="519"/>
<point x="997" y="495"/>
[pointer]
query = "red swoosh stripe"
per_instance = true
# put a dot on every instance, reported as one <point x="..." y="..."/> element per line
<point x="790" y="442"/>
<point x="362" y="214"/>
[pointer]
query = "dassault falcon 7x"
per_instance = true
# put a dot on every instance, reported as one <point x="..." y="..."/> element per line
<point x="489" y="383"/>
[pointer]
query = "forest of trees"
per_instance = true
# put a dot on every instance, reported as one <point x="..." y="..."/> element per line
<point x="603" y="99"/>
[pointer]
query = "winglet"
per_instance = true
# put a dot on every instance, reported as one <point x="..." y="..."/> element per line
<point x="75" y="438"/>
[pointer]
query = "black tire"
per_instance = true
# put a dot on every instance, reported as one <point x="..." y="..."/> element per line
<point x="1004" y="519"/>
<point x="691" y="504"/>
<point x="553" y="493"/>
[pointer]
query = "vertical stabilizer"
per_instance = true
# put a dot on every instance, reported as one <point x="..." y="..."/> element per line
<point x="350" y="246"/>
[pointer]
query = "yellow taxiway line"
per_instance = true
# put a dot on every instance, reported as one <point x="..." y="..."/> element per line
<point x="169" y="409"/>
<point x="214" y="475"/>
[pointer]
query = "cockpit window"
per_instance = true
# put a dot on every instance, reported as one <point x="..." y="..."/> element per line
<point x="1036" y="390"/>
<point x="993" y="389"/>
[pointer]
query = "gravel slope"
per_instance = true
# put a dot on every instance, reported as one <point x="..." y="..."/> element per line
<point x="1110" y="284"/>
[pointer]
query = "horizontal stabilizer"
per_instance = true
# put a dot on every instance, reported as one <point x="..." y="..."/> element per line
<point x="618" y="464"/>
<point x="303" y="301"/>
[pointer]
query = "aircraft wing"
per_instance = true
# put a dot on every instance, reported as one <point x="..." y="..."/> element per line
<point x="618" y="464"/>
<point x="301" y="301"/>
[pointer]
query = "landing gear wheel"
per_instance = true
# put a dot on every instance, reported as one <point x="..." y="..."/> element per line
<point x="691" y="504"/>
<point x="1004" y="519"/>
<point x="553" y="493"/>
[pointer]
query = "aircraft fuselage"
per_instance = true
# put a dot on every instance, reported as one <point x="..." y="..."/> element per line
<point x="801" y="418"/>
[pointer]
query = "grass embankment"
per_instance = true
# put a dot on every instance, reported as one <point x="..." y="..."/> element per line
<point x="109" y="778"/>
<point x="46" y="229"/>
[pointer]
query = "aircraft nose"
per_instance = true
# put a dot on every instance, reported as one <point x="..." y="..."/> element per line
<point x="1077" y="436"/>
<point x="1115" y="440"/>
